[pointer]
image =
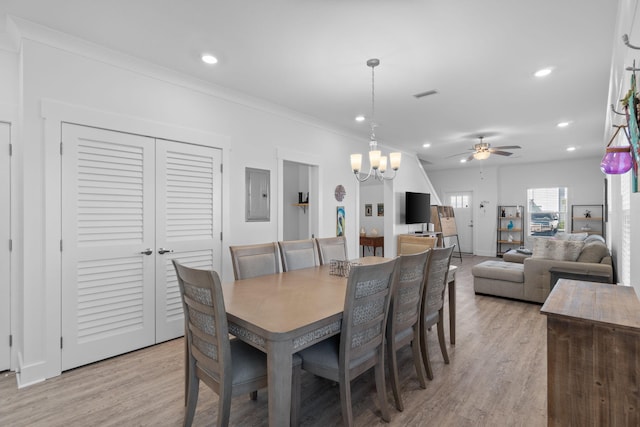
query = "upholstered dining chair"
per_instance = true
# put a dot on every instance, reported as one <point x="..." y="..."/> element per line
<point x="297" y="254"/>
<point x="408" y="244"/>
<point x="360" y="345"/>
<point x="433" y="302"/>
<point x="403" y="325"/>
<point x="254" y="260"/>
<point x="229" y="367"/>
<point x="332" y="248"/>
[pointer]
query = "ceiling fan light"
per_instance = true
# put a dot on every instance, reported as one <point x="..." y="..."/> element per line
<point x="481" y="155"/>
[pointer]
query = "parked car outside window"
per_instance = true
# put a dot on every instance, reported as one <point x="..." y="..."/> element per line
<point x="544" y="223"/>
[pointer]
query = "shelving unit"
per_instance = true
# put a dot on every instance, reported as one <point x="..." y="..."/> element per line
<point x="304" y="206"/>
<point x="509" y="237"/>
<point x="587" y="219"/>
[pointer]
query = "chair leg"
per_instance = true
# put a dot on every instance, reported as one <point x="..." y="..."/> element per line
<point x="382" y="388"/>
<point x="224" y="406"/>
<point x="417" y="360"/>
<point x="345" y="400"/>
<point x="393" y="373"/>
<point x="443" y="345"/>
<point x="253" y="395"/>
<point x="192" y="399"/>
<point x="425" y="352"/>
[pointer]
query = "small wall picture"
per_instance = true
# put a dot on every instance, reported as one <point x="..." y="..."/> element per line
<point x="380" y="209"/>
<point x="340" y="221"/>
<point x="368" y="210"/>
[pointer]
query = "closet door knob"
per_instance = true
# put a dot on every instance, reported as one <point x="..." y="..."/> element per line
<point x="162" y="251"/>
<point x="147" y="251"/>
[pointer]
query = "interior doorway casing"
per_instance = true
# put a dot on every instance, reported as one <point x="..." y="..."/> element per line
<point x="462" y="203"/>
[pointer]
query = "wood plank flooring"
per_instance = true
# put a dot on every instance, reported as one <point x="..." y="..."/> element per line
<point x="497" y="377"/>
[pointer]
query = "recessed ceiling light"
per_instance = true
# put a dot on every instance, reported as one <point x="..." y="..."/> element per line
<point x="563" y="124"/>
<point x="571" y="148"/>
<point x="543" y="72"/>
<point x="426" y="145"/>
<point x="463" y="161"/>
<point x="360" y="119"/>
<point x="209" y="59"/>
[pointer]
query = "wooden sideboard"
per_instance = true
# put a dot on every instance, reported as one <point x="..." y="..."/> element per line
<point x="372" y="241"/>
<point x="593" y="349"/>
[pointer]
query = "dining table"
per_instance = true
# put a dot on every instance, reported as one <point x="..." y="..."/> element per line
<point x="282" y="314"/>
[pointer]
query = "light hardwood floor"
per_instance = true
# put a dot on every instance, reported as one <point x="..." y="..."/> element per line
<point x="497" y="377"/>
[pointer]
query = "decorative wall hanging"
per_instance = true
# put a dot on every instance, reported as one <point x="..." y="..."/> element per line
<point x="617" y="159"/>
<point x="368" y="209"/>
<point x="340" y="192"/>
<point x="631" y="104"/>
<point x="340" y="221"/>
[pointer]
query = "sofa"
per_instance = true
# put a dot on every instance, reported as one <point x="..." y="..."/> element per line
<point x="528" y="278"/>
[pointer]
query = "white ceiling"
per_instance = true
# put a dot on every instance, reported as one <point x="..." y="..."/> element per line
<point x="310" y="55"/>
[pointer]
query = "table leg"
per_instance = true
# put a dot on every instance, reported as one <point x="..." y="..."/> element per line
<point x="452" y="310"/>
<point x="279" y="376"/>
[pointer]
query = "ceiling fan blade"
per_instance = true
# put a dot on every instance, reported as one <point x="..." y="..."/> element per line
<point x="507" y="147"/>
<point x="470" y="158"/>
<point x="456" y="155"/>
<point x="500" y="153"/>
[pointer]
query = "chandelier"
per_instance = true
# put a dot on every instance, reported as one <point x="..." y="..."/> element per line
<point x="377" y="162"/>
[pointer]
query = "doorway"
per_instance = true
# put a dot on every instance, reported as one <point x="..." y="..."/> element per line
<point x="295" y="189"/>
<point x="462" y="203"/>
<point x="5" y="252"/>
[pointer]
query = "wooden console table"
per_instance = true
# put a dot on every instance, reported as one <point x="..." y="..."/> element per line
<point x="373" y="242"/>
<point x="593" y="344"/>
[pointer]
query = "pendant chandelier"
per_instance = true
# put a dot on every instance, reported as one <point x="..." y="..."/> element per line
<point x="377" y="162"/>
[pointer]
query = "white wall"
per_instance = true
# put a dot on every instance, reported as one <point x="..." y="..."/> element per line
<point x="63" y="79"/>
<point x="508" y="184"/>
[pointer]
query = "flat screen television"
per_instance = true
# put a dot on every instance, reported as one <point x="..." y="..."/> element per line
<point x="417" y="208"/>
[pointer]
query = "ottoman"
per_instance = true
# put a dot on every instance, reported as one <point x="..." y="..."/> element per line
<point x="504" y="279"/>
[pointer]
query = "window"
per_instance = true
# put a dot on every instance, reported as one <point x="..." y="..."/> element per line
<point x="459" y="201"/>
<point x="547" y="210"/>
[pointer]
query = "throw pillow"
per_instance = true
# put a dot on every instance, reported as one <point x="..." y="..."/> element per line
<point x="558" y="250"/>
<point x="593" y="252"/>
<point x="594" y="238"/>
<point x="571" y="236"/>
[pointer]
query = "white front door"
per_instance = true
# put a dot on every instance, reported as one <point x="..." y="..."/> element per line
<point x="462" y="203"/>
<point x="188" y="222"/>
<point x="5" y="253"/>
<point x="108" y="239"/>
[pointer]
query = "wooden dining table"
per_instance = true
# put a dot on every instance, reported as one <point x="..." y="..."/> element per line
<point x="282" y="314"/>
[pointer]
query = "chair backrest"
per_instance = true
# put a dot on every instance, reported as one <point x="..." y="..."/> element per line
<point x="332" y="248"/>
<point x="408" y="244"/>
<point x="408" y="287"/>
<point x="254" y="260"/>
<point x="436" y="280"/>
<point x="297" y="254"/>
<point x="366" y="307"/>
<point x="206" y="329"/>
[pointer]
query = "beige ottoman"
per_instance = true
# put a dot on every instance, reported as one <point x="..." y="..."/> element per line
<point x="504" y="279"/>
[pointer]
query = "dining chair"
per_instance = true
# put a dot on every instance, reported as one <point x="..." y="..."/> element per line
<point x="360" y="345"/>
<point x="433" y="302"/>
<point x="229" y="367"/>
<point x="403" y="324"/>
<point x="254" y="260"/>
<point x="332" y="248"/>
<point x="297" y="254"/>
<point x="408" y="244"/>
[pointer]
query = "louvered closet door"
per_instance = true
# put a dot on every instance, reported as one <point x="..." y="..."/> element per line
<point x="5" y="254"/>
<point x="188" y="216"/>
<point x="108" y="219"/>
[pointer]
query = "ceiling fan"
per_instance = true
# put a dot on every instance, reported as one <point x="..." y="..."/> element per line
<point x="483" y="150"/>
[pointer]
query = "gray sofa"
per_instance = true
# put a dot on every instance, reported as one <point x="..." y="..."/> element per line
<point x="530" y="280"/>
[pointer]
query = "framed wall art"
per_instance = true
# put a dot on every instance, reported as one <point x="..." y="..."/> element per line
<point x="380" y="209"/>
<point x="368" y="209"/>
<point x="340" y="221"/>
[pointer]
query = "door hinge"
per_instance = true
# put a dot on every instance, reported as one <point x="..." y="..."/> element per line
<point x="60" y="245"/>
<point x="10" y="149"/>
<point x="220" y="167"/>
<point x="61" y="148"/>
<point x="221" y="236"/>
<point x="10" y="340"/>
<point x="60" y="342"/>
<point x="10" y="245"/>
